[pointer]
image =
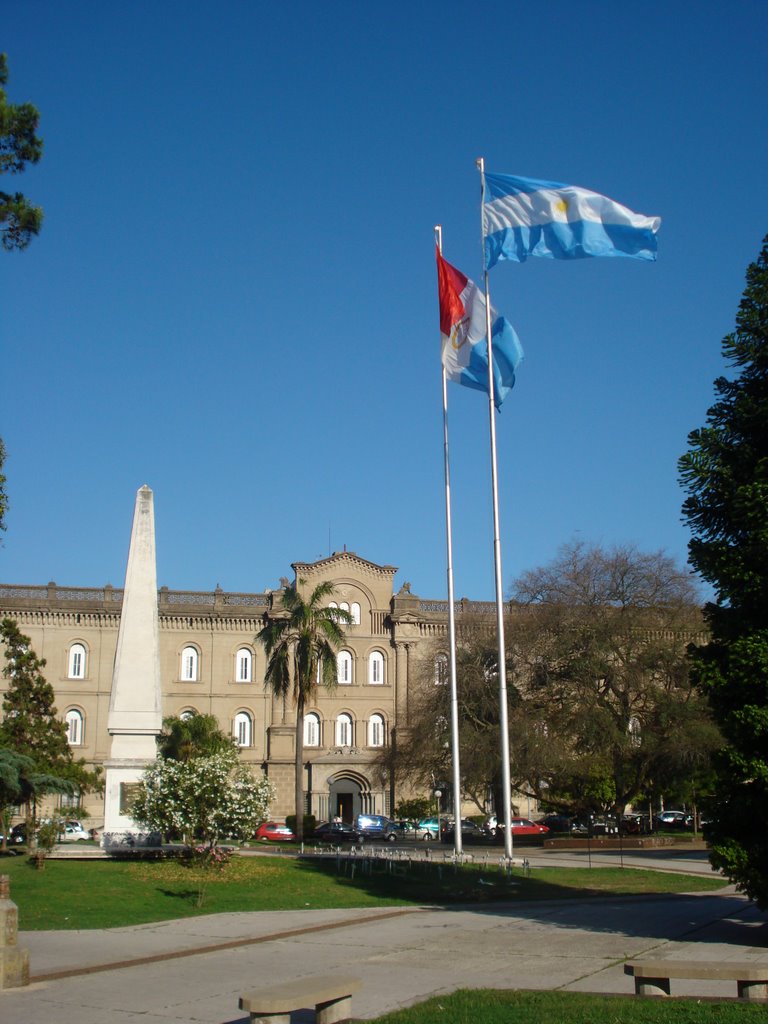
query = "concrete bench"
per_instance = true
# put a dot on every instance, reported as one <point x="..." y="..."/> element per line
<point x="330" y="994"/>
<point x="652" y="977"/>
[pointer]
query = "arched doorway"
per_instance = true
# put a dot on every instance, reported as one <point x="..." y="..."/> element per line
<point x="348" y="795"/>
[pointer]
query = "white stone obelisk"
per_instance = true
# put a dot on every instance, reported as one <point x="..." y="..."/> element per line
<point x="135" y="705"/>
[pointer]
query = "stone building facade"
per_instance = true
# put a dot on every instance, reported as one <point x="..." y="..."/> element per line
<point x="210" y="663"/>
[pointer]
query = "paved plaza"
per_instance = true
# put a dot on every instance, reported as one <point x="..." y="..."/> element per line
<point x="194" y="970"/>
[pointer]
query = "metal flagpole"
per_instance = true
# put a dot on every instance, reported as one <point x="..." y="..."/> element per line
<point x="456" y="772"/>
<point x="506" y="788"/>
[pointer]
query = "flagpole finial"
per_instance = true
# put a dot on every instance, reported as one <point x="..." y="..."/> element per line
<point x="480" y="164"/>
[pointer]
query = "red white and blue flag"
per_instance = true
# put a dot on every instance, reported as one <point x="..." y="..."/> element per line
<point x="464" y="344"/>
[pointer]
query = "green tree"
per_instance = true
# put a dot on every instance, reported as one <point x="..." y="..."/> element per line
<point x="725" y="475"/>
<point x="20" y="783"/>
<point x="31" y="725"/>
<point x="184" y="739"/>
<point x="609" y="710"/>
<point x="301" y="645"/>
<point x="600" y="705"/>
<point x="19" y="146"/>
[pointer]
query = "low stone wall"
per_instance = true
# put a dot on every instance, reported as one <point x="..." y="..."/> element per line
<point x="613" y="843"/>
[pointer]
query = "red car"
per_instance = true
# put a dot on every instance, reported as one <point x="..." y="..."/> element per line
<point x="274" y="831"/>
<point x="526" y="827"/>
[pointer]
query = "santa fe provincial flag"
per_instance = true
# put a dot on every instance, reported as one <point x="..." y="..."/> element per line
<point x="523" y="217"/>
<point x="462" y="327"/>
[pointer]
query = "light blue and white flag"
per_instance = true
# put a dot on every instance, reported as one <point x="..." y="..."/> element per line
<point x="523" y="217"/>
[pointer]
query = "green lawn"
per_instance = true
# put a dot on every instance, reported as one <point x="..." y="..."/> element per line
<point x="489" y="1006"/>
<point x="101" y="894"/>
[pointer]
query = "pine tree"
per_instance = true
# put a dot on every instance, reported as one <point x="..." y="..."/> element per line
<point x="19" y="146"/>
<point x="31" y="724"/>
<point x="725" y="474"/>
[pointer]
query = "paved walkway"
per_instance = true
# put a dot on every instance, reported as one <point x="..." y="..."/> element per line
<point x="194" y="970"/>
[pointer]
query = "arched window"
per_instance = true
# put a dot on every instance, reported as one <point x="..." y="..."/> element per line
<point x="376" y="731"/>
<point x="75" y="727"/>
<point x="243" y="729"/>
<point x="354" y="611"/>
<point x="441" y="670"/>
<point x="376" y="668"/>
<point x="344" y="607"/>
<point x="244" y="666"/>
<point x="186" y="714"/>
<point x="344" y="730"/>
<point x="76" y="669"/>
<point x="344" y="667"/>
<point x="189" y="662"/>
<point x="311" y="730"/>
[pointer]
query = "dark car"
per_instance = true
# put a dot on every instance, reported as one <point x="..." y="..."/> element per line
<point x="18" y="833"/>
<point x="376" y="826"/>
<point x="564" y="823"/>
<point x="673" y="820"/>
<point x="634" y="824"/>
<point x="470" y="832"/>
<point x="336" y="832"/>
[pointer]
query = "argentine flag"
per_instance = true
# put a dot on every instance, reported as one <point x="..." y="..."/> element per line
<point x="523" y="217"/>
<point x="464" y="343"/>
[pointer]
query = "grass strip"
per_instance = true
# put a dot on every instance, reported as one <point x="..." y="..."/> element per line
<point x="108" y="894"/>
<point x="490" y="1006"/>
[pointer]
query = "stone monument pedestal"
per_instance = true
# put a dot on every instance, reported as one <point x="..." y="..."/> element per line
<point x="14" y="961"/>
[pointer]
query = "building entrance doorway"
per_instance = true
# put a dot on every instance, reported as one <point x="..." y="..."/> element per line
<point x="344" y="800"/>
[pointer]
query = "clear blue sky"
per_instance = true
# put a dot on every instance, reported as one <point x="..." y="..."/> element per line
<point x="233" y="298"/>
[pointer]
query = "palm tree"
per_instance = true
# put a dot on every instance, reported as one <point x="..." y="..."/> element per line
<point x="301" y="652"/>
<point x="183" y="739"/>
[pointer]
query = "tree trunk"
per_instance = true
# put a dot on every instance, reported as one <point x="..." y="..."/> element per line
<point x="299" y="768"/>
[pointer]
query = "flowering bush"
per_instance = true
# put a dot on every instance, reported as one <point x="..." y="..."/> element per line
<point x="204" y="800"/>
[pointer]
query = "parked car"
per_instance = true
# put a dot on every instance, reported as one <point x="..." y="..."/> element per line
<point x="634" y="824"/>
<point x="564" y="823"/>
<point x="73" y="831"/>
<point x="470" y="832"/>
<point x="406" y="829"/>
<point x="673" y="819"/>
<point x="274" y="831"/>
<point x="335" y="832"/>
<point x="375" y="826"/>
<point x="521" y="828"/>
<point x="526" y="827"/>
<point x="18" y="833"/>
<point x="428" y="828"/>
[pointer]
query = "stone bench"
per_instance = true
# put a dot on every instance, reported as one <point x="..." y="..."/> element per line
<point x="652" y="977"/>
<point x="330" y="994"/>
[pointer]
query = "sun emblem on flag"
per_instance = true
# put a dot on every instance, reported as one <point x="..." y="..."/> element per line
<point x="561" y="206"/>
<point x="459" y="333"/>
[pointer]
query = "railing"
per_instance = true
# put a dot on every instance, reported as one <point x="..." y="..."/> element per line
<point x="112" y="597"/>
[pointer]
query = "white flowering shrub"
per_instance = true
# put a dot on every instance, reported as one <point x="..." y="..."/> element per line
<point x="203" y="800"/>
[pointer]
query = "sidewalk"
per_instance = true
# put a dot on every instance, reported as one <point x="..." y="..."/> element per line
<point x="195" y="970"/>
